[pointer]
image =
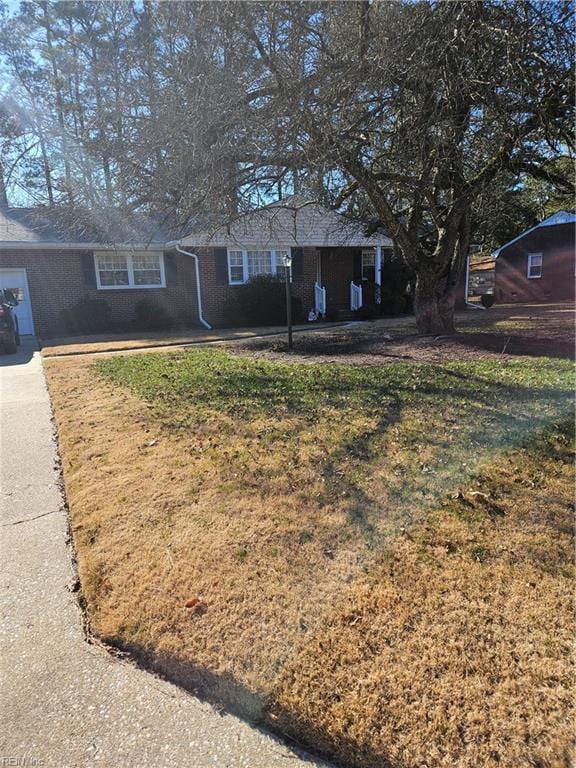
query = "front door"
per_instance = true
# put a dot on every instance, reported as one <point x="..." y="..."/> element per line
<point x="339" y="268"/>
<point x="14" y="280"/>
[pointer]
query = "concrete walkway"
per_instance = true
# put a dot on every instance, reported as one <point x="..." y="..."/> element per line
<point x="63" y="702"/>
<point x="94" y="345"/>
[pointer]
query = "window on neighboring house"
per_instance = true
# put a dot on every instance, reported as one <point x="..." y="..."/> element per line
<point x="123" y="269"/>
<point x="534" y="265"/>
<point x="369" y="264"/>
<point x="244" y="265"/>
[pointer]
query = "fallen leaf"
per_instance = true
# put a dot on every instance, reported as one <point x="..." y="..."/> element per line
<point x="479" y="493"/>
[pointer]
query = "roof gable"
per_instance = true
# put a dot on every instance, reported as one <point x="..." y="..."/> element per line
<point x="562" y="217"/>
<point x="291" y="222"/>
<point x="557" y="219"/>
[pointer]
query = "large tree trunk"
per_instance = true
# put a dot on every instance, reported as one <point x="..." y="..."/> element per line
<point x="433" y="305"/>
<point x="436" y="294"/>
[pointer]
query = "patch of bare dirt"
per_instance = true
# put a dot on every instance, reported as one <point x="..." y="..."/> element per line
<point x="499" y="335"/>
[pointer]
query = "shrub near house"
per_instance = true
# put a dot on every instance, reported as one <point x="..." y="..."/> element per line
<point x="151" y="315"/>
<point x="87" y="316"/>
<point x="261" y="301"/>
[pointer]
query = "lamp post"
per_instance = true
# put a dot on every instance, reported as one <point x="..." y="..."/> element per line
<point x="287" y="276"/>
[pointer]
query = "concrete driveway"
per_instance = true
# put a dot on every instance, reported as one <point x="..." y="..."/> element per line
<point x="64" y="702"/>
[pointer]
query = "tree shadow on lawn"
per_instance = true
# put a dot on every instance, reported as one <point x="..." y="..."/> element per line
<point x="478" y="412"/>
<point x="228" y="695"/>
<point x="496" y="428"/>
<point x="488" y="416"/>
<point x="258" y="707"/>
<point x="455" y="410"/>
<point x="517" y="344"/>
<point x="460" y="415"/>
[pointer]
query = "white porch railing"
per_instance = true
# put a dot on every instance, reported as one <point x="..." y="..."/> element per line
<point x="355" y="296"/>
<point x="319" y="299"/>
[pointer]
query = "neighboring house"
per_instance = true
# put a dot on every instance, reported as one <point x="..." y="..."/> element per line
<point x="52" y="262"/>
<point x="539" y="264"/>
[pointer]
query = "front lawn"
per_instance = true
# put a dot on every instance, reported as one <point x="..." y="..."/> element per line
<point x="376" y="559"/>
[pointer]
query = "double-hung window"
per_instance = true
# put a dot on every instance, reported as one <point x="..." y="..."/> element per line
<point x="243" y="265"/>
<point x="147" y="269"/>
<point x="534" y="265"/>
<point x="236" y="266"/>
<point x="129" y="269"/>
<point x="369" y="264"/>
<point x="259" y="263"/>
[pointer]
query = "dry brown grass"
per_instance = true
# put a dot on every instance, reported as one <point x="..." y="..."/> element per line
<point x="500" y="334"/>
<point x="456" y="648"/>
<point x="443" y="644"/>
<point x="156" y="523"/>
<point x="122" y="342"/>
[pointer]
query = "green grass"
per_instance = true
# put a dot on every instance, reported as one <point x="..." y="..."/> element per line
<point x="400" y="432"/>
<point x="212" y="381"/>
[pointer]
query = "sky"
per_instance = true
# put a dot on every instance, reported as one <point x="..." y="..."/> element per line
<point x="12" y="5"/>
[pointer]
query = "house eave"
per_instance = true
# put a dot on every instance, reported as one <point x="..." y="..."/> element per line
<point x="218" y="241"/>
<point x="46" y="246"/>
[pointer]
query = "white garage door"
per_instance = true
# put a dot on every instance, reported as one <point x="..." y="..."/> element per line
<point x="15" y="281"/>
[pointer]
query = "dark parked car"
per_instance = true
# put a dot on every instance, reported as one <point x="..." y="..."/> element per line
<point x="9" y="335"/>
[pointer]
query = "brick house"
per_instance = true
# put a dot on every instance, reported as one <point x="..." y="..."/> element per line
<point x="52" y="265"/>
<point x="539" y="264"/>
<point x="336" y="266"/>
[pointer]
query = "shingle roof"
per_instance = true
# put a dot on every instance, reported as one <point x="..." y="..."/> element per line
<point x="294" y="221"/>
<point x="561" y="217"/>
<point x="64" y="227"/>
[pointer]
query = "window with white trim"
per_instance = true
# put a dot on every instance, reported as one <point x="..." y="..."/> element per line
<point x="129" y="269"/>
<point x="369" y="264"/>
<point x="534" y="265"/>
<point x="259" y="263"/>
<point x="235" y="266"/>
<point x="243" y="265"/>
